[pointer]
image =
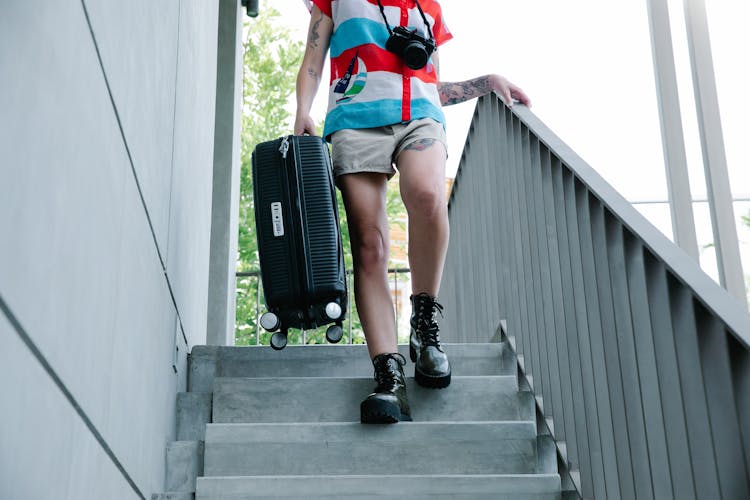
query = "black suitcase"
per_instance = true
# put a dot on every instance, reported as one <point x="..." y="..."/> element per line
<point x="299" y="239"/>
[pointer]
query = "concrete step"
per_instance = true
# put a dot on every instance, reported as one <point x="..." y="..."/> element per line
<point x="209" y="362"/>
<point x="278" y="400"/>
<point x="356" y="449"/>
<point x="413" y="487"/>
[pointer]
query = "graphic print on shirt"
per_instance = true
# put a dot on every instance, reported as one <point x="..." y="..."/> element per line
<point x="343" y="87"/>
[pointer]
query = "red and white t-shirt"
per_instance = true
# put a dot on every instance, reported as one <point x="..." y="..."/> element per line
<point x="370" y="86"/>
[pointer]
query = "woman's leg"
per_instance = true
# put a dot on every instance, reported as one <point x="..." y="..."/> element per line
<point x="364" y="200"/>
<point x="422" y="167"/>
<point x="422" y="179"/>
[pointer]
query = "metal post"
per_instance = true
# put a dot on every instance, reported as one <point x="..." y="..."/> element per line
<point x="351" y="307"/>
<point x="257" y="311"/>
<point x="673" y="141"/>
<point x="227" y="164"/>
<point x="395" y="291"/>
<point x="731" y="276"/>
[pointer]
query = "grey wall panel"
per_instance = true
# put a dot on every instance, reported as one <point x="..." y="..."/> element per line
<point x="190" y="218"/>
<point x="79" y="266"/>
<point x="138" y="45"/>
<point x="65" y="189"/>
<point x="46" y="449"/>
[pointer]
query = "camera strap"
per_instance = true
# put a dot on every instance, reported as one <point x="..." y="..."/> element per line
<point x="424" y="18"/>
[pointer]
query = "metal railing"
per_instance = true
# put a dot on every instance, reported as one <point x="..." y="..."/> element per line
<point x="640" y="363"/>
<point x="250" y="292"/>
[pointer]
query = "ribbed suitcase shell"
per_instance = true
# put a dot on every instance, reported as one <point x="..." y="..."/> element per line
<point x="301" y="258"/>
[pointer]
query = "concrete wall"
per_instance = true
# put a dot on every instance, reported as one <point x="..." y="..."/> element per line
<point x="106" y="164"/>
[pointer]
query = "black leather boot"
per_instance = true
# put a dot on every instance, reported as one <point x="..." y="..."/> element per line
<point x="388" y="404"/>
<point x="432" y="367"/>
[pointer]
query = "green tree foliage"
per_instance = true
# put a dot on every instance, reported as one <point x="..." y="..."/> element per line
<point x="271" y="60"/>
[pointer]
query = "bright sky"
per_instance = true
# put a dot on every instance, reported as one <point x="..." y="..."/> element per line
<point x="587" y="66"/>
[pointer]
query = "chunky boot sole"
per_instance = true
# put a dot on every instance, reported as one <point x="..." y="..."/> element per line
<point x="374" y="411"/>
<point x="432" y="382"/>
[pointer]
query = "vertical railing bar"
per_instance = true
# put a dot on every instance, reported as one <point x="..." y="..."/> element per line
<point x="524" y="335"/>
<point x="740" y="360"/>
<point x="470" y="228"/>
<point x="532" y="259"/>
<point x="628" y="362"/>
<point x="669" y="379"/>
<point x="500" y="242"/>
<point x="722" y="407"/>
<point x="530" y="340"/>
<point x="496" y="256"/>
<point x="612" y="355"/>
<point x="513" y="313"/>
<point x="556" y="306"/>
<point x="566" y="280"/>
<point x="602" y="323"/>
<point x="479" y="224"/>
<point x="521" y="327"/>
<point x="463" y="310"/>
<point x="484" y="201"/>
<point x="576" y="338"/>
<point x="539" y="244"/>
<point x="647" y="372"/>
<point x="489" y="202"/>
<point x="591" y="347"/>
<point x="704" y="467"/>
<point x="522" y="169"/>
<point x="549" y="365"/>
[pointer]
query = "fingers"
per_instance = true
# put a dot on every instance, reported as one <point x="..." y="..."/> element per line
<point x="520" y="96"/>
<point x="304" y="125"/>
<point x="507" y="96"/>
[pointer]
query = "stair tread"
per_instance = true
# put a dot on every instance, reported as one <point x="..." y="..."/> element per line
<point x="336" y="399"/>
<point x="516" y="486"/>
<point x="342" y="430"/>
<point x="343" y="360"/>
<point x="353" y="448"/>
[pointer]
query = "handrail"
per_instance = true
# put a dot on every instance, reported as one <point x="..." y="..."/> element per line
<point x="639" y="362"/>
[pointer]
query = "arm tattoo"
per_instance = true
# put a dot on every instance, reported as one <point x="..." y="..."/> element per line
<point x="312" y="73"/>
<point x="314" y="35"/>
<point x="453" y="93"/>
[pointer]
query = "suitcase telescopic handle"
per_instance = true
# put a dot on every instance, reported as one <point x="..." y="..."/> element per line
<point x="284" y="148"/>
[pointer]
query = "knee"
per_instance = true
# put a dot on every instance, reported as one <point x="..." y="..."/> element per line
<point x="427" y="203"/>
<point x="370" y="249"/>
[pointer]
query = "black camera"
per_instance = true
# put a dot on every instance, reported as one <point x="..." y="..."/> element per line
<point x="414" y="49"/>
<point x="251" y="6"/>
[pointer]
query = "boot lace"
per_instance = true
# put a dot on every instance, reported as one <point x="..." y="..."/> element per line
<point x="426" y="324"/>
<point x="385" y="374"/>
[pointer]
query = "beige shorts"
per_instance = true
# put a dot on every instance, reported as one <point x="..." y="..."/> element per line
<point x="377" y="149"/>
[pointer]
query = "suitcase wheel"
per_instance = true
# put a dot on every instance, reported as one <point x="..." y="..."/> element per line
<point x="333" y="310"/>
<point x="278" y="340"/>
<point x="269" y="321"/>
<point x="334" y="334"/>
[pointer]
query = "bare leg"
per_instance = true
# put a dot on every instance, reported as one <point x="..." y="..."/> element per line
<point x="422" y="178"/>
<point x="364" y="200"/>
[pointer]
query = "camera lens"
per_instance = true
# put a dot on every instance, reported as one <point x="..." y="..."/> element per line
<point x="415" y="55"/>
